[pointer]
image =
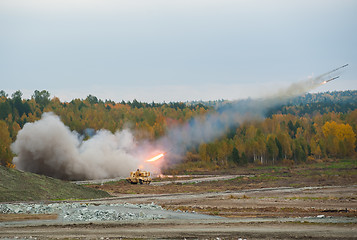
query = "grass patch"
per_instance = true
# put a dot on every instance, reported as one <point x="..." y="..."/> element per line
<point x="343" y="163"/>
<point x="266" y="177"/>
<point x="25" y="186"/>
<point x="336" y="164"/>
<point x="275" y="168"/>
<point x="302" y="175"/>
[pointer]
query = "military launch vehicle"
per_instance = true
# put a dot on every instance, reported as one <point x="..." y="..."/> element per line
<point x="142" y="177"/>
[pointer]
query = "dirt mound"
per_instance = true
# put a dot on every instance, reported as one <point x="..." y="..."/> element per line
<point x="24" y="186"/>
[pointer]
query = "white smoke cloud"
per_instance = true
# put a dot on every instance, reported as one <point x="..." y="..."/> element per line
<point x="49" y="147"/>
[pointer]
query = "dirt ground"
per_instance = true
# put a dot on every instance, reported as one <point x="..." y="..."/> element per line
<point x="324" y="174"/>
<point x="281" y="203"/>
<point x="321" y="189"/>
<point x="264" y="202"/>
<point x="23" y="217"/>
<point x="184" y="230"/>
<point x="324" y="212"/>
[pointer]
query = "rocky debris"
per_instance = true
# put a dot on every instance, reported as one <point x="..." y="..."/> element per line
<point x="142" y="206"/>
<point x="86" y="212"/>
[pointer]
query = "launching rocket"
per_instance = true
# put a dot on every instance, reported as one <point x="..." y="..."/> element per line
<point x="328" y="74"/>
<point x="331" y="79"/>
<point x="336" y="69"/>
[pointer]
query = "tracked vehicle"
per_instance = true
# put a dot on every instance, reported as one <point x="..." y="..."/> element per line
<point x="142" y="177"/>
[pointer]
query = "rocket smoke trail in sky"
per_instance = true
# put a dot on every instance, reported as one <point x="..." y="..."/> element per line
<point x="211" y="126"/>
<point x="48" y="147"/>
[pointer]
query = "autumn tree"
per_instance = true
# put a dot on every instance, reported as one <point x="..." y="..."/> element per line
<point x="235" y="156"/>
<point x="92" y="99"/>
<point x="340" y="139"/>
<point x="272" y="148"/>
<point x="5" y="142"/>
<point x="294" y="133"/>
<point x="3" y="94"/>
<point x="42" y="98"/>
<point x="286" y="145"/>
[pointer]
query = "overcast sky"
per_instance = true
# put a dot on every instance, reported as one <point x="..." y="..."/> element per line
<point x="174" y="50"/>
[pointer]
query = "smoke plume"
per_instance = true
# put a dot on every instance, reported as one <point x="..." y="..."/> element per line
<point x="212" y="126"/>
<point x="49" y="147"/>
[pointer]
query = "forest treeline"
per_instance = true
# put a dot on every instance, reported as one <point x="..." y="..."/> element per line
<point x="314" y="126"/>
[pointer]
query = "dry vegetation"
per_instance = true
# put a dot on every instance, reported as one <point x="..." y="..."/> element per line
<point x="341" y="172"/>
<point x="232" y="198"/>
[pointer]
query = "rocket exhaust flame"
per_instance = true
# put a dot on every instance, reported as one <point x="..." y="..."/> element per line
<point x="155" y="158"/>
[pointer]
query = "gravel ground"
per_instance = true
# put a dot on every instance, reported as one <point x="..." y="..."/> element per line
<point x="135" y="216"/>
<point x="90" y="212"/>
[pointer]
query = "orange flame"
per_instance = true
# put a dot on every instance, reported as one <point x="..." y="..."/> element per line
<point x="155" y="158"/>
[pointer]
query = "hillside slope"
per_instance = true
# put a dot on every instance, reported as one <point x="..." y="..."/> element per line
<point x="25" y="186"/>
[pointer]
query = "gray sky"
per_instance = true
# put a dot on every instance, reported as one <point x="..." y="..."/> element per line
<point x="174" y="50"/>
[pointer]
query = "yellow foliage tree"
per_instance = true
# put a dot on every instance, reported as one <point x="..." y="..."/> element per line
<point x="340" y="138"/>
<point x="5" y="142"/>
